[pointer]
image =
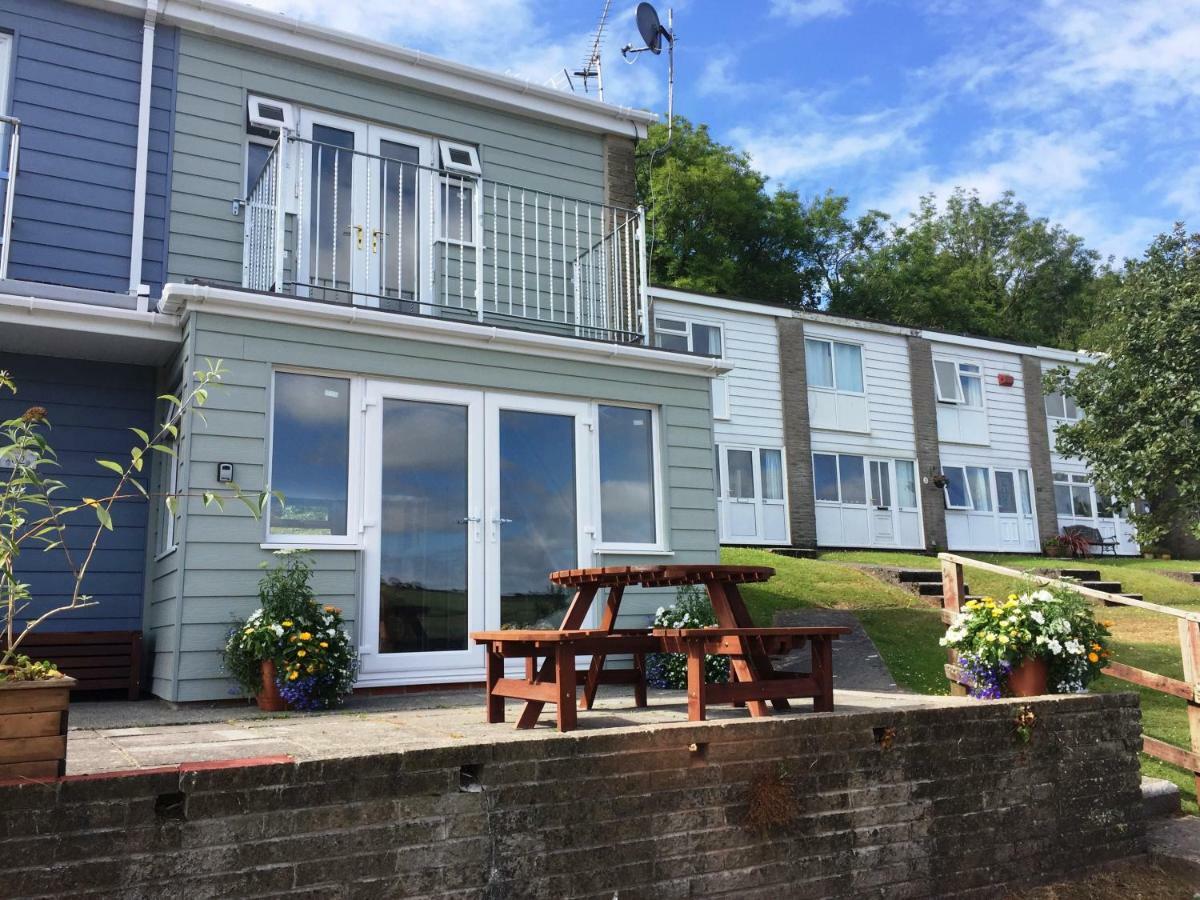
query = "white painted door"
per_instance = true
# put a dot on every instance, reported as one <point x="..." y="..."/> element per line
<point x="399" y="213"/>
<point x="740" y="479"/>
<point x="332" y="263"/>
<point x="538" y="506"/>
<point x="883" y="507"/>
<point x="423" y="529"/>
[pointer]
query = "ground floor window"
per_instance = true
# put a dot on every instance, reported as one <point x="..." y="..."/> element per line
<point x="628" y="512"/>
<point x="751" y="494"/>
<point x="865" y="501"/>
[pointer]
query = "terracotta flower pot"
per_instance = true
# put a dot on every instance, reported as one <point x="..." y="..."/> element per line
<point x="268" y="698"/>
<point x="1029" y="678"/>
<point x="33" y="728"/>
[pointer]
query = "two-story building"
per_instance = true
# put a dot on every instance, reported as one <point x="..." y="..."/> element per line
<point x="892" y="437"/>
<point x="427" y="284"/>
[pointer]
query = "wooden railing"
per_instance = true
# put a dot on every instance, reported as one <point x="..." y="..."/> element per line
<point x="1189" y="645"/>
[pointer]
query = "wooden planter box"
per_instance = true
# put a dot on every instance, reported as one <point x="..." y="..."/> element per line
<point x="33" y="728"/>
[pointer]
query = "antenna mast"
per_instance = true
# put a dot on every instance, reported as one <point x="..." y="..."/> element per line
<point x="593" y="67"/>
<point x="653" y="33"/>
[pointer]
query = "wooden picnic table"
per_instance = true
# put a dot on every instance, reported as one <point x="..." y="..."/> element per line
<point x="755" y="681"/>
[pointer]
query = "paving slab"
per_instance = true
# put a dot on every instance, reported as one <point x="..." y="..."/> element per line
<point x="1176" y="838"/>
<point x="857" y="664"/>
<point x="111" y="736"/>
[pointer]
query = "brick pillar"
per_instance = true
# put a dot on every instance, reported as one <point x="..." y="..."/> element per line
<point x="796" y="434"/>
<point x="620" y="185"/>
<point x="1039" y="448"/>
<point x="929" y="461"/>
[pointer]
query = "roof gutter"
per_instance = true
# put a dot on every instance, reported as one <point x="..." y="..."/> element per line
<point x="143" y="154"/>
<point x="182" y="299"/>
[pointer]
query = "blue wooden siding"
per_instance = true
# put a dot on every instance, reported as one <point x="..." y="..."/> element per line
<point x="75" y="87"/>
<point x="91" y="407"/>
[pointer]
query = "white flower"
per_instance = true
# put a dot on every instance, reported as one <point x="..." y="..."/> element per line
<point x="1038" y="617"/>
<point x="254" y="616"/>
<point x="1054" y="646"/>
<point x="1062" y="626"/>
<point x="660" y="611"/>
<point x="278" y="629"/>
<point x="1040" y="639"/>
<point x="1075" y="647"/>
<point x="1043" y="596"/>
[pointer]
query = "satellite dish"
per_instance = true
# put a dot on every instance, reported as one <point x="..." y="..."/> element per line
<point x="650" y="27"/>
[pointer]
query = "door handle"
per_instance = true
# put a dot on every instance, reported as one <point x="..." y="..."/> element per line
<point x="375" y="233"/>
<point x="469" y="520"/>
<point x="358" y="230"/>
<point x="501" y="521"/>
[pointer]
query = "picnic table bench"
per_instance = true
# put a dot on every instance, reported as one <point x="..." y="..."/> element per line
<point x="755" y="682"/>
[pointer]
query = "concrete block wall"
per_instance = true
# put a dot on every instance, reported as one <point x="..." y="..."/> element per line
<point x="919" y="803"/>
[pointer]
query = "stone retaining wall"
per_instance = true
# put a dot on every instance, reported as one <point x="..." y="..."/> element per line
<point x="931" y="802"/>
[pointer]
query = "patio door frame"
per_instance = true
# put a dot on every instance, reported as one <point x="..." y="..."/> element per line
<point x="888" y="466"/>
<point x="433" y="666"/>
<point x="424" y="195"/>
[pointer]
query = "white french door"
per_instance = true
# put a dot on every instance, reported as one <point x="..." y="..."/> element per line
<point x="472" y="499"/>
<point x="883" y="507"/>
<point x="364" y="229"/>
<point x="753" y="499"/>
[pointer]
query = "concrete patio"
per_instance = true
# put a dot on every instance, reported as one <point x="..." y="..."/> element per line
<point x="109" y="736"/>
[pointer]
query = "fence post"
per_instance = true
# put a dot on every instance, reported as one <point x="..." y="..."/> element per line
<point x="1189" y="646"/>
<point x="953" y="595"/>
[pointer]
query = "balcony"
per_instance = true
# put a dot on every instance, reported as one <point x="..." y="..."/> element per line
<point x="332" y="224"/>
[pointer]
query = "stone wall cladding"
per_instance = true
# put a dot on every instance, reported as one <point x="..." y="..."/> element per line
<point x="954" y="805"/>
<point x="620" y="181"/>
<point x="929" y="461"/>
<point x="1039" y="448"/>
<point x="793" y="378"/>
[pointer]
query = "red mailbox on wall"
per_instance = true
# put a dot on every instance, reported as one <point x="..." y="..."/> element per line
<point x="1005" y="379"/>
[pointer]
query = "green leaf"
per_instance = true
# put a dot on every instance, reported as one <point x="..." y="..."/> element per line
<point x="112" y="466"/>
<point x="103" y="516"/>
<point x="170" y="398"/>
<point x="163" y="448"/>
<point x="145" y="437"/>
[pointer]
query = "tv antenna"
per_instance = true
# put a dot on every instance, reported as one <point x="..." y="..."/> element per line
<point x="651" y="29"/>
<point x="592" y="67"/>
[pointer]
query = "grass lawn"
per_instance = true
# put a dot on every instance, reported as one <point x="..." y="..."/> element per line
<point x="906" y="629"/>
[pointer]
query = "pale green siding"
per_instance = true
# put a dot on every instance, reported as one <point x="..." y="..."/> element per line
<point x="214" y="81"/>
<point x="220" y="562"/>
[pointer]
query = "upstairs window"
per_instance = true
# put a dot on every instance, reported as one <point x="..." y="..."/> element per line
<point x="959" y="383"/>
<point x="686" y="336"/>
<point x="1059" y="406"/>
<point x="834" y="366"/>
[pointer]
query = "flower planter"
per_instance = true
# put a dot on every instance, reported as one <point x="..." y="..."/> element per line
<point x="33" y="728"/>
<point x="268" y="697"/>
<point x="1030" y="678"/>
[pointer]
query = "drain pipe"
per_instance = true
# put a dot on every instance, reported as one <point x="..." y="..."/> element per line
<point x="143" y="154"/>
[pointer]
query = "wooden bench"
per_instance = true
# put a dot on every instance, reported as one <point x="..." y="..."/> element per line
<point x="754" y="680"/>
<point x="557" y="679"/>
<point x="97" y="660"/>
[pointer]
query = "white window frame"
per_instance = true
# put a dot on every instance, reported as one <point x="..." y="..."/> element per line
<point x="688" y="323"/>
<point x="600" y="546"/>
<point x="166" y="543"/>
<point x="256" y="120"/>
<point x="355" y="469"/>
<point x="970" y="506"/>
<point x="837" y="456"/>
<point x="473" y="210"/>
<point x="862" y="366"/>
<point x="449" y="165"/>
<point x="1062" y="399"/>
<point x="959" y="398"/>
<point x="916" y="507"/>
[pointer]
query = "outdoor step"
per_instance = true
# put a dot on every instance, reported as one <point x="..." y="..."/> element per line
<point x="910" y="576"/>
<point x="1080" y="574"/>
<point x="928" y="589"/>
<point x="793" y="552"/>
<point x="1195" y="576"/>
<point x="1160" y="798"/>
<point x="1109" y="587"/>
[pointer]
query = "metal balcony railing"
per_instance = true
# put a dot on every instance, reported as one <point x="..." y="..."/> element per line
<point x="337" y="225"/>
<point x="10" y="145"/>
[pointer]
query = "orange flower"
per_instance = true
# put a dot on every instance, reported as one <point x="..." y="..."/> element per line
<point x="34" y="414"/>
<point x="1093" y="657"/>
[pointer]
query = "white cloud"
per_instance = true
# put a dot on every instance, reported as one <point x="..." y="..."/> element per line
<point x="800" y="11"/>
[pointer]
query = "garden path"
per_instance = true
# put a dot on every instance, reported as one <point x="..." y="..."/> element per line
<point x="857" y="665"/>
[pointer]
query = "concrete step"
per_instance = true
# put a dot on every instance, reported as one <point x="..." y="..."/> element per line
<point x="1160" y="798"/>
<point x="1080" y="574"/>
<point x="1109" y="587"/>
<point x="793" y="552"/>
<point x="912" y="576"/>
<point x="1195" y="576"/>
<point x="926" y="589"/>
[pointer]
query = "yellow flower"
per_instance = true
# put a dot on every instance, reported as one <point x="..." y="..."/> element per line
<point x="989" y="636"/>
<point x="311" y="669"/>
<point x="330" y="609"/>
<point x="301" y="652"/>
<point x="248" y="631"/>
<point x="988" y="601"/>
<point x="286" y="623"/>
<point x="971" y="604"/>
<point x="1096" y="646"/>
<point x="1003" y="638"/>
<point x="324" y="645"/>
<point x="305" y="636"/>
<point x="1092" y="657"/>
<point x="996" y="613"/>
<point x="1012" y="597"/>
<point x="293" y="676"/>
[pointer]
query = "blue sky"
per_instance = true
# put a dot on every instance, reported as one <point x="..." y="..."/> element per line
<point x="1086" y="109"/>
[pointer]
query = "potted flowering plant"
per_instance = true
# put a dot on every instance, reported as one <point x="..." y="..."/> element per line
<point x="1033" y="642"/>
<point x="690" y="610"/>
<point x="292" y="652"/>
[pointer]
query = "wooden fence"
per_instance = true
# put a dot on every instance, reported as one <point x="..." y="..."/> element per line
<point x="1189" y="645"/>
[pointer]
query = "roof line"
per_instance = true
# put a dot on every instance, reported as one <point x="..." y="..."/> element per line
<point x="244" y="24"/>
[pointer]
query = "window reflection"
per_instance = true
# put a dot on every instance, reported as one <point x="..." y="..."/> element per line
<point x="627" y="513"/>
<point x="310" y="454"/>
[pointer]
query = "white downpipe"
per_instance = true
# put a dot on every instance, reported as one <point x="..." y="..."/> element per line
<point x="143" y="154"/>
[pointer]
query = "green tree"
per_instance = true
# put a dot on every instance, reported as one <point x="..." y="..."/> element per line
<point x="715" y="227"/>
<point x="984" y="268"/>
<point x="1141" y="399"/>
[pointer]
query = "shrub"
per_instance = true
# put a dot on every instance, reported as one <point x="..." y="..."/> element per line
<point x="690" y="610"/>
<point x="314" y="657"/>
